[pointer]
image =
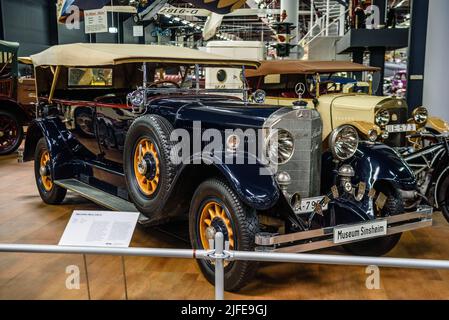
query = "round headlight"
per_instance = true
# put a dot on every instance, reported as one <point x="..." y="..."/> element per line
<point x="280" y="146"/>
<point x="420" y="115"/>
<point x="259" y="96"/>
<point x="382" y="118"/>
<point x="344" y="142"/>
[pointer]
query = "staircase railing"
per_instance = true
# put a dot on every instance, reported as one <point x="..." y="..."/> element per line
<point x="331" y="18"/>
<point x="309" y="37"/>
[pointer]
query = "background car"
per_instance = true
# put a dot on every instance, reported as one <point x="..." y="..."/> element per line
<point x="17" y="98"/>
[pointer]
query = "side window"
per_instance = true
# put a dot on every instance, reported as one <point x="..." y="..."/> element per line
<point x="90" y="77"/>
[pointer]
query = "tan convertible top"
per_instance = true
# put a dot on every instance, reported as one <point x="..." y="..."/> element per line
<point x="306" y="67"/>
<point x="103" y="54"/>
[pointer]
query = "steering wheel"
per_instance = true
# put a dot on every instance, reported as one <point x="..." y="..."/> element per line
<point x="324" y="87"/>
<point x="156" y="84"/>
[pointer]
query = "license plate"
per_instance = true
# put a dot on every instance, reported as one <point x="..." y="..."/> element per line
<point x="308" y="205"/>
<point x="360" y="231"/>
<point x="401" y="127"/>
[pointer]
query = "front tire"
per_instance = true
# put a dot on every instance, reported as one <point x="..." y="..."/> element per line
<point x="380" y="246"/>
<point x="215" y="207"/>
<point x="11" y="133"/>
<point x="49" y="192"/>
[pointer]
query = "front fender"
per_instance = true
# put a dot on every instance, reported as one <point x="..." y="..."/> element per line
<point x="256" y="190"/>
<point x="251" y="181"/>
<point x="373" y="162"/>
<point x="378" y="162"/>
<point x="437" y="124"/>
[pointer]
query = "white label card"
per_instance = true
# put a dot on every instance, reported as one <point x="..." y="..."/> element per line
<point x="95" y="21"/>
<point x="360" y="231"/>
<point x="138" y="31"/>
<point x="100" y="229"/>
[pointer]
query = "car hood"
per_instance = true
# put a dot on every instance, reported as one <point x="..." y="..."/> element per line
<point x="217" y="112"/>
<point x="361" y="102"/>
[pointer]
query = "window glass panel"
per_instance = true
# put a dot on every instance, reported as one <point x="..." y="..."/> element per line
<point x="90" y="77"/>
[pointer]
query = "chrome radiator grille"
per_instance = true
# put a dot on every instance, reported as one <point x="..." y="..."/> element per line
<point x="304" y="167"/>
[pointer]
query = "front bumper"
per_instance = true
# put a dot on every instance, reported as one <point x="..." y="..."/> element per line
<point x="324" y="238"/>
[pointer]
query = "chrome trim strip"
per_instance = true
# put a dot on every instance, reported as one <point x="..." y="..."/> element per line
<point x="329" y="243"/>
<point x="305" y="235"/>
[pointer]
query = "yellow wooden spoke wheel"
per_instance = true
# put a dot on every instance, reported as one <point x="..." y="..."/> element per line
<point x="214" y="218"/>
<point x="44" y="171"/>
<point x="146" y="166"/>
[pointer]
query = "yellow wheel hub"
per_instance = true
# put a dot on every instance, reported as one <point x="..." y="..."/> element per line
<point x="147" y="185"/>
<point x="213" y="217"/>
<point x="47" y="183"/>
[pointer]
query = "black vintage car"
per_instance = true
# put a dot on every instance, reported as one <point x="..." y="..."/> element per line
<point x="256" y="173"/>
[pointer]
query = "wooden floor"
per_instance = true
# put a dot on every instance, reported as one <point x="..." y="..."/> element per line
<point x="25" y="219"/>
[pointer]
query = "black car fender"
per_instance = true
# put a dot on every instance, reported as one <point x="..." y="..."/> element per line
<point x="61" y="144"/>
<point x="253" y="185"/>
<point x="373" y="163"/>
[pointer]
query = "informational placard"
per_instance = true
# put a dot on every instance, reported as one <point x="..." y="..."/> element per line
<point x="99" y="229"/>
<point x="138" y="31"/>
<point x="96" y="21"/>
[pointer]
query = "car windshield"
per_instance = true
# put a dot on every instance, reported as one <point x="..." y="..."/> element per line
<point x="283" y="85"/>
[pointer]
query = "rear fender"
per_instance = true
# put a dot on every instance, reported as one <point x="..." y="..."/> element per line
<point x="60" y="143"/>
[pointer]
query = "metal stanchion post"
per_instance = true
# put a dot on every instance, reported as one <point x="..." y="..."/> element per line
<point x="219" y="266"/>
<point x="87" y="277"/>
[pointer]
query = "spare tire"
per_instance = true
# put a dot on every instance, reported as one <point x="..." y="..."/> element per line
<point x="149" y="171"/>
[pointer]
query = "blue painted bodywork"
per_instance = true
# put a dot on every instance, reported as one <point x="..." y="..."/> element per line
<point x="373" y="163"/>
<point x="75" y="153"/>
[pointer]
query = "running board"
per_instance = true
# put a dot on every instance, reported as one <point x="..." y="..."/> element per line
<point x="99" y="197"/>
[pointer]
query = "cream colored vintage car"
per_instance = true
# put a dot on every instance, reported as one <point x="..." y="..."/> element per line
<point x="331" y="88"/>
